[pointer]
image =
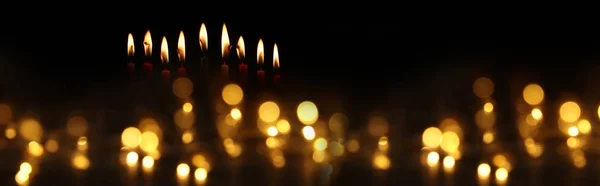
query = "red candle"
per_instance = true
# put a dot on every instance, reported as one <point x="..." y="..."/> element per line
<point x="166" y="74"/>
<point x="148" y="53"/>
<point x="148" y="67"/>
<point x="261" y="77"/>
<point x="243" y="73"/>
<point x="225" y="72"/>
<point x="130" y="53"/>
<point x="181" y="71"/>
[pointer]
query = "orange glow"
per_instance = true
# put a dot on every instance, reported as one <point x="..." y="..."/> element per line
<point x="130" y="46"/>
<point x="148" y="44"/>
<point x="241" y="48"/>
<point x="203" y="38"/>
<point x="260" y="52"/>
<point x="225" y="42"/>
<point x="275" y="57"/>
<point x="181" y="47"/>
<point x="164" y="51"/>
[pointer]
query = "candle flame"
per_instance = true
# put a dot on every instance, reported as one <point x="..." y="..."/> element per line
<point x="181" y="47"/>
<point x="275" y="57"/>
<point x="130" y="46"/>
<point x="225" y="42"/>
<point x="148" y="44"/>
<point x="260" y="52"/>
<point x="203" y="38"/>
<point x="164" y="51"/>
<point x="241" y="48"/>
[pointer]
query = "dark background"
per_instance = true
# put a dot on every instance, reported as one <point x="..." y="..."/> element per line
<point x="413" y="68"/>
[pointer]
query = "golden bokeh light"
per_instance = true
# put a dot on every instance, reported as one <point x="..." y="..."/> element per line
<point x="31" y="130"/>
<point x="536" y="113"/>
<point x="320" y="144"/>
<point x="200" y="175"/>
<point x="272" y="131"/>
<point x="131" y="137"/>
<point x="598" y="111"/>
<point x="501" y="176"/>
<point x="22" y="178"/>
<point x="484" y="120"/>
<point x="278" y="161"/>
<point x="483" y="87"/>
<point x="450" y="142"/>
<point x="283" y="126"/>
<point x="433" y="158"/>
<point x="570" y="111"/>
<point x="77" y="126"/>
<point x="273" y="142"/>
<point x="307" y="112"/>
<point x="187" y="107"/>
<point x="147" y="162"/>
<point x="501" y="161"/>
<point x="319" y="156"/>
<point x="82" y="143"/>
<point x="338" y="123"/>
<point x="187" y="137"/>
<point x="308" y="132"/>
<point x="184" y="120"/>
<point x="573" y="131"/>
<point x="183" y="87"/>
<point x="131" y="159"/>
<point x="483" y="170"/>
<point x="584" y="126"/>
<point x="200" y="161"/>
<point x="26" y="168"/>
<point x="10" y="133"/>
<point x="488" y="107"/>
<point x="488" y="137"/>
<point x="336" y="149"/>
<point x="6" y="113"/>
<point x="353" y="145"/>
<point x="232" y="94"/>
<point x="35" y="149"/>
<point x="383" y="143"/>
<point x="183" y="170"/>
<point x="236" y="114"/>
<point x="573" y="142"/>
<point x="533" y="94"/>
<point x="150" y="125"/>
<point x="381" y="161"/>
<point x="378" y="126"/>
<point x="578" y="157"/>
<point x="80" y="161"/>
<point x="268" y="111"/>
<point x="432" y="137"/>
<point x="448" y="163"/>
<point x="150" y="142"/>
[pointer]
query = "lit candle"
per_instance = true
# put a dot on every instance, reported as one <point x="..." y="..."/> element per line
<point x="277" y="76"/>
<point x="164" y="58"/>
<point x="241" y="52"/>
<point x="148" y="53"/>
<point x="181" y="54"/>
<point x="260" y="60"/>
<point x="130" y="53"/>
<point x="225" y="53"/>
<point x="203" y="38"/>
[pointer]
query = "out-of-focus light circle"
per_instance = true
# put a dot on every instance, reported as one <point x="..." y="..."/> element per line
<point x="450" y="142"/>
<point x="77" y="126"/>
<point x="433" y="158"/>
<point x="31" y="130"/>
<point x="308" y="132"/>
<point x="232" y="94"/>
<point x="432" y="137"/>
<point x="236" y="114"/>
<point x="35" y="149"/>
<point x="131" y="137"/>
<point x="183" y="170"/>
<point x="51" y="145"/>
<point x="483" y="170"/>
<point x="131" y="159"/>
<point x="320" y="144"/>
<point x="353" y="145"/>
<point x="187" y="107"/>
<point x="147" y="162"/>
<point x="584" y="126"/>
<point x="488" y="107"/>
<point x="570" y="111"/>
<point x="272" y="131"/>
<point x="183" y="87"/>
<point x="501" y="175"/>
<point x="483" y="87"/>
<point x="268" y="111"/>
<point x="283" y="126"/>
<point x="488" y="137"/>
<point x="381" y="161"/>
<point x="573" y="131"/>
<point x="448" y="162"/>
<point x="187" y="137"/>
<point x="536" y="113"/>
<point x="533" y="94"/>
<point x="6" y="113"/>
<point x="200" y="174"/>
<point x="378" y="126"/>
<point x="80" y="161"/>
<point x="25" y="167"/>
<point x="338" y="122"/>
<point x="307" y="112"/>
<point x="10" y="133"/>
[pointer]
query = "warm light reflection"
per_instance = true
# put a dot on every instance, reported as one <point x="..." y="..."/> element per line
<point x="450" y="142"/>
<point x="488" y="107"/>
<point x="187" y="107"/>
<point x="131" y="159"/>
<point x="147" y="163"/>
<point x="433" y="158"/>
<point x="35" y="149"/>
<point x="82" y="144"/>
<point x="569" y="111"/>
<point x="80" y="161"/>
<point x="268" y="111"/>
<point x="187" y="137"/>
<point x="150" y="142"/>
<point x="236" y="114"/>
<point x="501" y="176"/>
<point x="283" y="126"/>
<point x="536" y="113"/>
<point x="181" y="47"/>
<point x="320" y="144"/>
<point x="225" y="43"/>
<point x="307" y="112"/>
<point x="353" y="145"/>
<point x="130" y="46"/>
<point x="200" y="175"/>
<point x="584" y="126"/>
<point x="488" y="137"/>
<point x="10" y="133"/>
<point x="381" y="161"/>
<point x="241" y="48"/>
<point x="448" y="163"/>
<point x="260" y="53"/>
<point x="483" y="171"/>
<point x="573" y="131"/>
<point x="383" y="143"/>
<point x="275" y="57"/>
<point x="21" y="178"/>
<point x="308" y="132"/>
<point x="164" y="51"/>
<point x="26" y="168"/>
<point x="432" y="137"/>
<point x="148" y="44"/>
<point x="131" y="137"/>
<point x="483" y="87"/>
<point x="272" y="131"/>
<point x="183" y="171"/>
<point x="232" y="94"/>
<point x="203" y="38"/>
<point x="533" y="94"/>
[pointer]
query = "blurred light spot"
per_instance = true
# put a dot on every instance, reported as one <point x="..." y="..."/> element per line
<point x="26" y="168"/>
<point x="432" y="137"/>
<point x="150" y="142"/>
<point x="147" y="162"/>
<point x="272" y="131"/>
<point x="187" y="107"/>
<point x="338" y="123"/>
<point x="131" y="137"/>
<point x="381" y="161"/>
<point x="319" y="156"/>
<point x="6" y="113"/>
<point x="570" y="111"/>
<point x="353" y="145"/>
<point x="21" y="178"/>
<point x="10" y="133"/>
<point x="307" y="112"/>
<point x="229" y="120"/>
<point x="448" y="162"/>
<point x="232" y="94"/>
<point x="278" y="161"/>
<point x="183" y="170"/>
<point x="500" y="160"/>
<point x="573" y="142"/>
<point x="35" y="149"/>
<point x="77" y="126"/>
<point x="236" y="114"/>
<point x="488" y="137"/>
<point x="578" y="158"/>
<point x="383" y="143"/>
<point x="483" y="87"/>
<point x="584" y="126"/>
<point x="450" y="124"/>
<point x="536" y="113"/>
<point x="530" y="120"/>
<point x="378" y="126"/>
<point x="268" y="111"/>
<point x="485" y="120"/>
<point x="80" y="161"/>
<point x="450" y="142"/>
<point x="82" y="143"/>
<point x="187" y="137"/>
<point x="272" y="142"/>
<point x="320" y="144"/>
<point x="483" y="171"/>
<point x="200" y="175"/>
<point x="200" y="161"/>
<point x="573" y="131"/>
<point x="501" y="176"/>
<point x="150" y="125"/>
<point x="488" y="107"/>
<point x="184" y="120"/>
<point x="183" y="87"/>
<point x="283" y="126"/>
<point x="433" y="158"/>
<point x="533" y="94"/>
<point x="308" y="132"/>
<point x="336" y="149"/>
<point x="131" y="159"/>
<point x="31" y="130"/>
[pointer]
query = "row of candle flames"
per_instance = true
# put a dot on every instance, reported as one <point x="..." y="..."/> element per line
<point x="447" y="137"/>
